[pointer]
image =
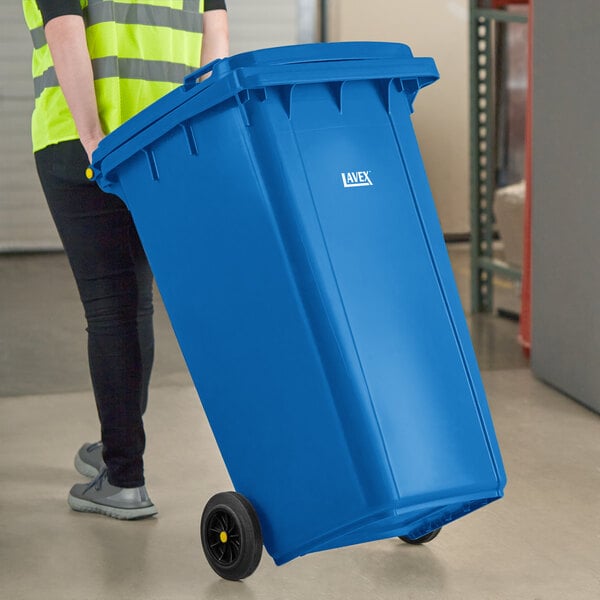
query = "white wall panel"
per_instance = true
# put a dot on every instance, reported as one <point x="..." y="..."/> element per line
<point x="262" y="24"/>
<point x="25" y="221"/>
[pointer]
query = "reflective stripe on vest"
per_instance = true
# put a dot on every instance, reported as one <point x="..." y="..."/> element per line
<point x="140" y="50"/>
<point x="133" y="14"/>
<point x="124" y="68"/>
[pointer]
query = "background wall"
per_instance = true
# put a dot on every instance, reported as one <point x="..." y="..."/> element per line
<point x="24" y="218"/>
<point x="262" y="24"/>
<point x="437" y="28"/>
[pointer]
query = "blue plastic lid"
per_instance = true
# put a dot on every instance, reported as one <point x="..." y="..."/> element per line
<point x="305" y="53"/>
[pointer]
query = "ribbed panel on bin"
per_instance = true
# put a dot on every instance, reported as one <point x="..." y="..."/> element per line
<point x="286" y="213"/>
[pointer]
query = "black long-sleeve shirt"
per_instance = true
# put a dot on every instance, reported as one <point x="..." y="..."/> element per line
<point x="57" y="8"/>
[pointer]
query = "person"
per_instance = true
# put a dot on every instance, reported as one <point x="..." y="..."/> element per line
<point x="95" y="64"/>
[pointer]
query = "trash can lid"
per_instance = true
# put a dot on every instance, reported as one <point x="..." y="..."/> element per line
<point x="320" y="52"/>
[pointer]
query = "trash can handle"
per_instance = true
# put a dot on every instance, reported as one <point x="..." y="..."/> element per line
<point x="189" y="81"/>
<point x="423" y="70"/>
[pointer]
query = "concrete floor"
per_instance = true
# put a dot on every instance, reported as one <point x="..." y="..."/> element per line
<point x="541" y="542"/>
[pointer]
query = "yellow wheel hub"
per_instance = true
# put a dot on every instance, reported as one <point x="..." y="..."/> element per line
<point x="223" y="537"/>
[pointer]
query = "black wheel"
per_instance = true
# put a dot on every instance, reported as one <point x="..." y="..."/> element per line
<point x="423" y="539"/>
<point x="231" y="536"/>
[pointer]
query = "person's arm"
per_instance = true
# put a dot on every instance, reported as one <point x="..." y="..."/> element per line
<point x="67" y="42"/>
<point x="215" y="39"/>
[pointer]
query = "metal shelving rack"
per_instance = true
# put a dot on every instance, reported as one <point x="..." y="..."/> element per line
<point x="483" y="152"/>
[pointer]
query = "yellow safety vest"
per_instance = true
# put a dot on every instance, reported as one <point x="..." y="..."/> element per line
<point x="140" y="50"/>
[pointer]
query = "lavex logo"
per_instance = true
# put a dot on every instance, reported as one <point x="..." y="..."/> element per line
<point x="356" y="179"/>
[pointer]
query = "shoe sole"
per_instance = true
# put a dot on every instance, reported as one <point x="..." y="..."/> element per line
<point x="124" y="514"/>
<point x="84" y="468"/>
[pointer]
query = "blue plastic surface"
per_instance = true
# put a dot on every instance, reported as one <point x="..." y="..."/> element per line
<point x="286" y="213"/>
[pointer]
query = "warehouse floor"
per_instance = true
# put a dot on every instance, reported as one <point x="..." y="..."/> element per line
<point x="541" y="542"/>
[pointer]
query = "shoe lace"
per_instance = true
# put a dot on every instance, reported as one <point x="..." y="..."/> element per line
<point x="94" y="446"/>
<point x="98" y="481"/>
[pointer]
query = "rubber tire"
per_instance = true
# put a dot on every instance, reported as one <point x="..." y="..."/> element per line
<point x="242" y="517"/>
<point x="421" y="540"/>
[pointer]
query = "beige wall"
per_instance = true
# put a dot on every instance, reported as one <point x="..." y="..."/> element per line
<point x="437" y="28"/>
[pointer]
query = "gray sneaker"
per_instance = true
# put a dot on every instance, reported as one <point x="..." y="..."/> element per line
<point x="88" y="461"/>
<point x="99" y="496"/>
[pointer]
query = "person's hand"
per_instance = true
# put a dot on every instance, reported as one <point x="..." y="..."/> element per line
<point x="91" y="143"/>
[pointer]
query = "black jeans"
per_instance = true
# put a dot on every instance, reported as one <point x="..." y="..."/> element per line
<point x="115" y="287"/>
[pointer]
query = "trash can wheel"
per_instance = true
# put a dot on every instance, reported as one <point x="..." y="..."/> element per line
<point x="421" y="540"/>
<point x="231" y="536"/>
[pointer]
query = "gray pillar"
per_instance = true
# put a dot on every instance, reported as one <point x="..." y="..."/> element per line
<point x="566" y="198"/>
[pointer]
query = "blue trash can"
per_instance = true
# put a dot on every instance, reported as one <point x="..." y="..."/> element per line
<point x="288" y="220"/>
